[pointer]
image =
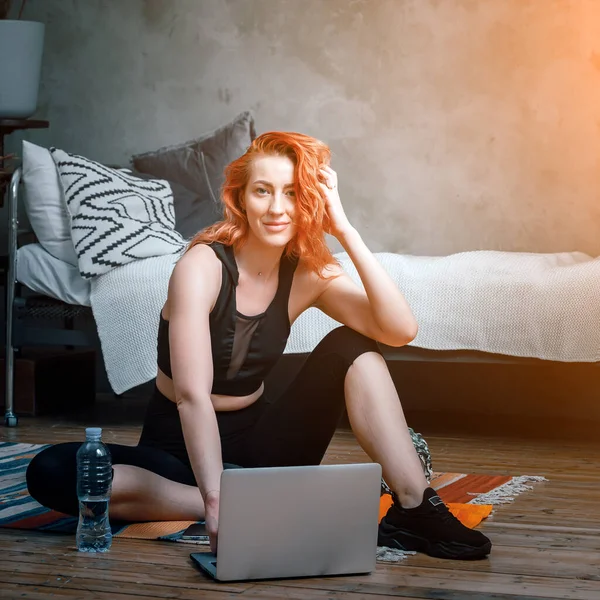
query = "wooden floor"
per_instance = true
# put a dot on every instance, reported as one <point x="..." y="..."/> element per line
<point x="546" y="543"/>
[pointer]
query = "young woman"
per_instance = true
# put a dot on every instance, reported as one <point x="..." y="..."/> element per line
<point x="232" y="298"/>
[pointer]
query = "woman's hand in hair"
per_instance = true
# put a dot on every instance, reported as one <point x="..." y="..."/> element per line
<point x="336" y="221"/>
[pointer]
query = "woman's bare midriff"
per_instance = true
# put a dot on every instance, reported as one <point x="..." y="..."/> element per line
<point x="221" y="403"/>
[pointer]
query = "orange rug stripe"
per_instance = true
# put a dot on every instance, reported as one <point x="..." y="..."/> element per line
<point x="153" y="530"/>
<point x="37" y="521"/>
<point x="465" y="489"/>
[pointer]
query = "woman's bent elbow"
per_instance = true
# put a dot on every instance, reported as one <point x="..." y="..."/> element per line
<point x="405" y="336"/>
<point x="412" y="331"/>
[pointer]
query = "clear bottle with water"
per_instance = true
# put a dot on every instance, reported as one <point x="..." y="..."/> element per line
<point x="94" y="482"/>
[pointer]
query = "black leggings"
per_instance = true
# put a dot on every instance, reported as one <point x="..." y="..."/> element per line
<point x="293" y="430"/>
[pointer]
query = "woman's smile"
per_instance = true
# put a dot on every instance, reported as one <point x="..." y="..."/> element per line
<point x="276" y="226"/>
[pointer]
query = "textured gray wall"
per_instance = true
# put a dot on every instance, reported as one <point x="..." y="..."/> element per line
<point x="455" y="124"/>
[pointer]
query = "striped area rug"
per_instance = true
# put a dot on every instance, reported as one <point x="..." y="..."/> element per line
<point x="17" y="508"/>
<point x="470" y="497"/>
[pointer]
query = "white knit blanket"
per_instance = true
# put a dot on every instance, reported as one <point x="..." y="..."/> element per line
<point x="529" y="305"/>
<point x="520" y="304"/>
<point x="126" y="303"/>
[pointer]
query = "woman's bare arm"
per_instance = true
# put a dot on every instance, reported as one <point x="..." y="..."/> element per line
<point x="380" y="311"/>
<point x="193" y="288"/>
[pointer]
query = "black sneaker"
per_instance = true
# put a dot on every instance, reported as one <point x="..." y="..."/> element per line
<point x="431" y="528"/>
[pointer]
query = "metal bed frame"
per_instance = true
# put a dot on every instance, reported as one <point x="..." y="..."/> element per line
<point x="24" y="313"/>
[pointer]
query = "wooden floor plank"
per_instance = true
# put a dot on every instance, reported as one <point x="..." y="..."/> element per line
<point x="524" y="535"/>
<point x="155" y="585"/>
<point x="122" y="574"/>
<point x="12" y="591"/>
<point x="562" y="563"/>
<point x="42" y="588"/>
<point x="268" y="591"/>
<point x="123" y="551"/>
<point x="424" y="582"/>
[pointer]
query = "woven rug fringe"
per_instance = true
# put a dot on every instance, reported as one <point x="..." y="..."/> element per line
<point x="385" y="554"/>
<point x="508" y="491"/>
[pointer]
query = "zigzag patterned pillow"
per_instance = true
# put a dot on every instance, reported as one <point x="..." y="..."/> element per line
<point x="116" y="218"/>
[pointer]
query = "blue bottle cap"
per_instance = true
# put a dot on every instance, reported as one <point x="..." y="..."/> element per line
<point x="94" y="433"/>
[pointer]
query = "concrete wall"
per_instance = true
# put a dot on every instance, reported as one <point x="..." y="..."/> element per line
<point x="455" y="124"/>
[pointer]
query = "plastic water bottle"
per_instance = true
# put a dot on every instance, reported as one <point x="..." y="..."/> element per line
<point x="94" y="482"/>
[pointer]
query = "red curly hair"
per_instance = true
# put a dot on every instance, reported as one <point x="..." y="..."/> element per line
<point x="308" y="155"/>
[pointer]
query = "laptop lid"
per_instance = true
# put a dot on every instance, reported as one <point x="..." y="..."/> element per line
<point x="298" y="521"/>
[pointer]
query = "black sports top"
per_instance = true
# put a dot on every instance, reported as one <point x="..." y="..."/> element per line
<point x="244" y="349"/>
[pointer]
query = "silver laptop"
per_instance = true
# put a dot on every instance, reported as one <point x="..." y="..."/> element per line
<point x="296" y="522"/>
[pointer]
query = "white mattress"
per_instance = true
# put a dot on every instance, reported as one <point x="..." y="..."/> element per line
<point x="45" y="274"/>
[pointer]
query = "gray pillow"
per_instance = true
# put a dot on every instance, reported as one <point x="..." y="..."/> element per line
<point x="199" y="164"/>
<point x="192" y="212"/>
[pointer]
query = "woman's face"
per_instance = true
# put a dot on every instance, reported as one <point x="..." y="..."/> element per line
<point x="270" y="200"/>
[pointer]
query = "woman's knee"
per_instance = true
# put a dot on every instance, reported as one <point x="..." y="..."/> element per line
<point x="347" y="343"/>
<point x="52" y="477"/>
